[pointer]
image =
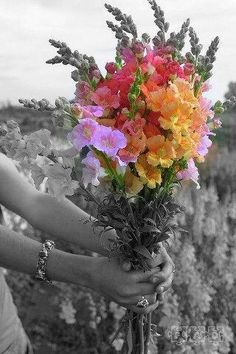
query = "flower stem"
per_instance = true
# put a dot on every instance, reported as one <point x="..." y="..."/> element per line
<point x="141" y="335"/>
<point x="148" y="335"/>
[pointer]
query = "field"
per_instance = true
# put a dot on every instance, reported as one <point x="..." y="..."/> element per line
<point x="198" y="314"/>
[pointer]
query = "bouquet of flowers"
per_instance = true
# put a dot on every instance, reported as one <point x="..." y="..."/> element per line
<point x="137" y="131"/>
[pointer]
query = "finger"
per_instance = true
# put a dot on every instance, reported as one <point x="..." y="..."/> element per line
<point x="164" y="286"/>
<point x="145" y="275"/>
<point x="165" y="273"/>
<point x="141" y="289"/>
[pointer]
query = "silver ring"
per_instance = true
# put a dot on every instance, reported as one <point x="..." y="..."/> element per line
<point x="143" y="302"/>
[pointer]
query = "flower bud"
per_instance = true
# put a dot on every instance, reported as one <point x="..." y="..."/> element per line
<point x="110" y="67"/>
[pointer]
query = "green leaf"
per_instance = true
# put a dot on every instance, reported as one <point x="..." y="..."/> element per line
<point x="143" y="251"/>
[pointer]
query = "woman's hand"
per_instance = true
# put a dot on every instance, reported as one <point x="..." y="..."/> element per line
<point x="162" y="278"/>
<point x="125" y="288"/>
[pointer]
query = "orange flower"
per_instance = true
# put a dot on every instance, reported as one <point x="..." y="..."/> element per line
<point x="135" y="146"/>
<point x="148" y="174"/>
<point x="107" y="122"/>
<point x="161" y="151"/>
<point x="133" y="184"/>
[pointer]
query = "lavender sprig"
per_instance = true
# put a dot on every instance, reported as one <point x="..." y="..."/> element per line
<point x="42" y="105"/>
<point x="82" y="62"/>
<point x="127" y="23"/>
<point x="177" y="40"/>
<point x="196" y="47"/>
<point x="159" y="39"/>
<point x="204" y="64"/>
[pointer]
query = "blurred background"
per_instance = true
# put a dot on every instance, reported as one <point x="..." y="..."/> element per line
<point x="67" y="319"/>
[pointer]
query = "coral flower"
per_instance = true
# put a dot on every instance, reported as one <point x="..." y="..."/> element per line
<point x="104" y="97"/>
<point x="135" y="146"/>
<point x="161" y="151"/>
<point x="149" y="175"/>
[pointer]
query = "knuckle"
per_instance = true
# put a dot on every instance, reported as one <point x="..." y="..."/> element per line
<point x="124" y="291"/>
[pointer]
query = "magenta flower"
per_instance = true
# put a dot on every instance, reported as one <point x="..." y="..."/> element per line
<point x="83" y="133"/>
<point x="109" y="141"/>
<point x="127" y="55"/>
<point x="190" y="173"/>
<point x="110" y="67"/>
<point x="92" y="170"/>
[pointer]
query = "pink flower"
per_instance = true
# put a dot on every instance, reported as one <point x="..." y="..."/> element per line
<point x="88" y="111"/>
<point x="204" y="145"/>
<point x="125" y="157"/>
<point x="206" y="105"/>
<point x="109" y="141"/>
<point x="191" y="173"/>
<point x="189" y="69"/>
<point x="83" y="133"/>
<point x="206" y="86"/>
<point x="127" y="55"/>
<point x="92" y="170"/>
<point x="110" y="68"/>
<point x="217" y="123"/>
<point x="83" y="92"/>
<point x="104" y="97"/>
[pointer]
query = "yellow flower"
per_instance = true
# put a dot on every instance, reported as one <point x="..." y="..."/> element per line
<point x="176" y="104"/>
<point x="149" y="175"/>
<point x="161" y="151"/>
<point x="133" y="184"/>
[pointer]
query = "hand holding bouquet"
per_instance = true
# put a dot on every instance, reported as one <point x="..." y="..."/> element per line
<point x="138" y="131"/>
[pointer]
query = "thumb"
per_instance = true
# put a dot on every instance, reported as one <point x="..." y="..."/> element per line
<point x="157" y="259"/>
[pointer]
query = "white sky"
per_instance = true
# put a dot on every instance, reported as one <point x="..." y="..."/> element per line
<point x="26" y="26"/>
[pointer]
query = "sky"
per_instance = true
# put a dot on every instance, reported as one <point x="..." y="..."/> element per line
<point x="26" y="26"/>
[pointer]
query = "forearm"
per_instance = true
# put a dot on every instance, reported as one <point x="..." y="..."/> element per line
<point x="64" y="220"/>
<point x="20" y="253"/>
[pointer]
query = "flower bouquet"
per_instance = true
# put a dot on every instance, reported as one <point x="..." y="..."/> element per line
<point x="137" y="131"/>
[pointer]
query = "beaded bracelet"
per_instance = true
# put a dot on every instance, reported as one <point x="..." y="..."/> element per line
<point x="40" y="274"/>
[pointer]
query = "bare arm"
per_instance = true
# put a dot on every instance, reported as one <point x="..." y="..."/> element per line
<point x="20" y="253"/>
<point x="61" y="219"/>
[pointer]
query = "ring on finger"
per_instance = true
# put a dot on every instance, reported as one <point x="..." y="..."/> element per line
<point x="143" y="303"/>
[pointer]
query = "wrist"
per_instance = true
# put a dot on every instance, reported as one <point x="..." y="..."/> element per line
<point x="69" y="268"/>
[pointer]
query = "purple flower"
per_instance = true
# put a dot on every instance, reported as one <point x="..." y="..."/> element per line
<point x="93" y="111"/>
<point x="204" y="145"/>
<point x="83" y="133"/>
<point x="189" y="173"/>
<point x="92" y="170"/>
<point x="109" y="141"/>
<point x="87" y="111"/>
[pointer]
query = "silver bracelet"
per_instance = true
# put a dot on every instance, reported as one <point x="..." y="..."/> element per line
<point x="40" y="274"/>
